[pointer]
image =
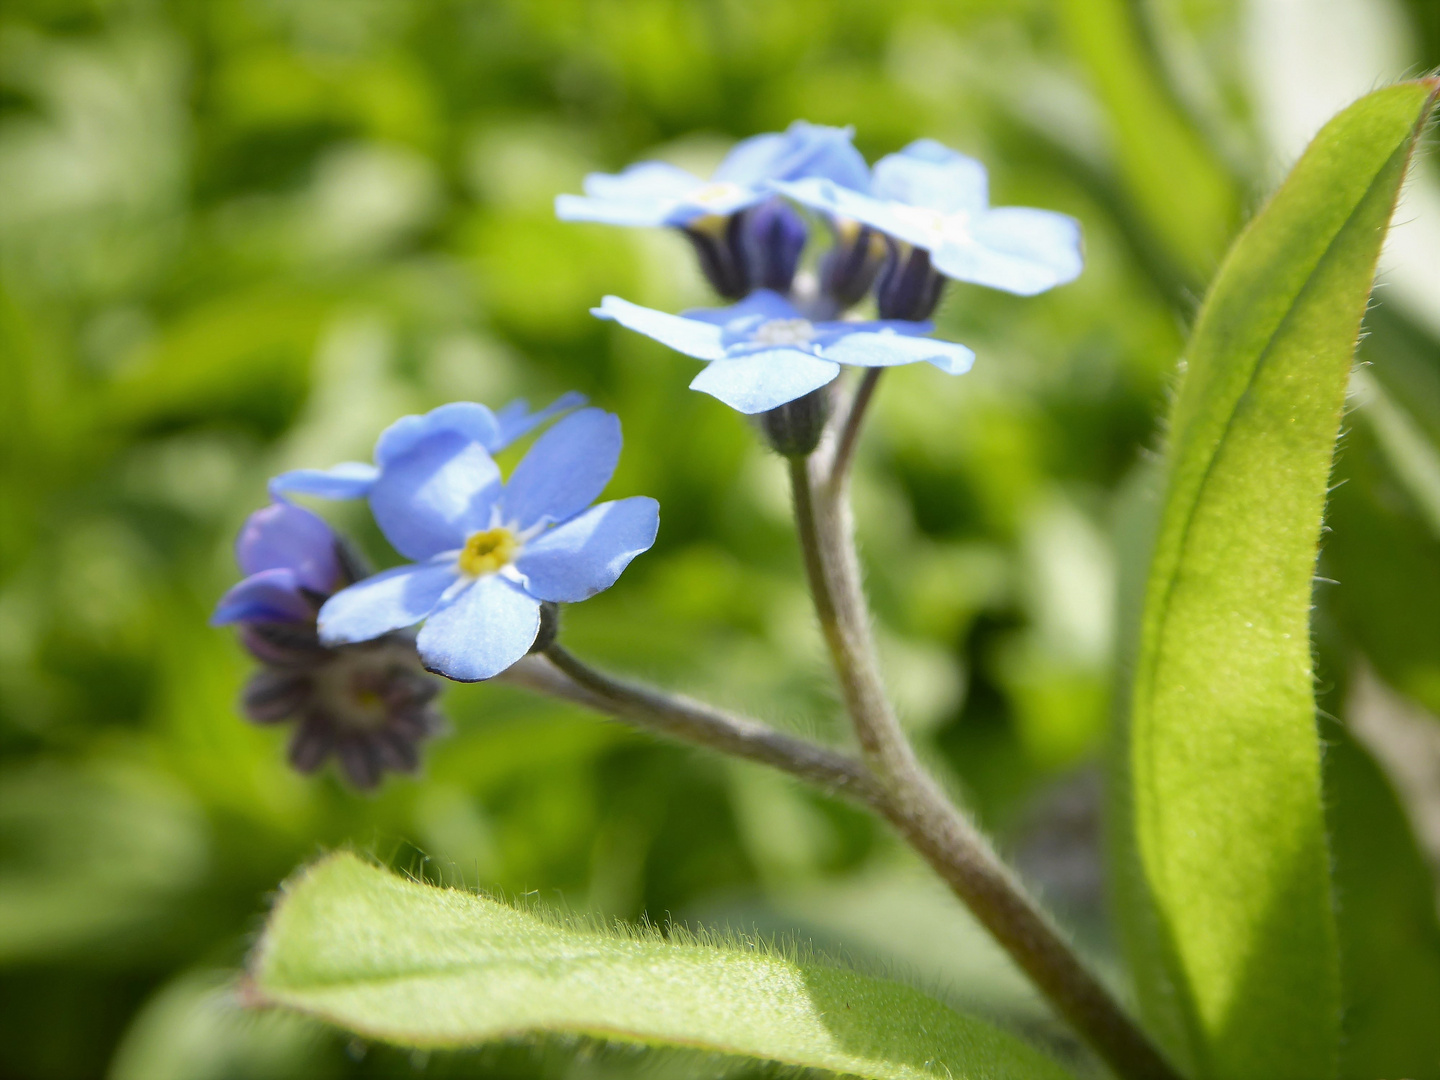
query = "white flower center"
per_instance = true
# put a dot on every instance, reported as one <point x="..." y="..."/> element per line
<point x="934" y="227"/>
<point x="784" y="332"/>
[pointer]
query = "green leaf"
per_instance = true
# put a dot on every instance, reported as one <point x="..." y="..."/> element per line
<point x="1389" y="934"/>
<point x="428" y="967"/>
<point x="1229" y="915"/>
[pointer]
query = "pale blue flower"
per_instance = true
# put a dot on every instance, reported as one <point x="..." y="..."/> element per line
<point x="291" y="560"/>
<point x="653" y="193"/>
<point x="762" y="352"/>
<point x="468" y="420"/>
<point x="488" y="553"/>
<point x="936" y="200"/>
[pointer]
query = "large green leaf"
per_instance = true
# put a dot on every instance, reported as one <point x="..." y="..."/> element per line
<point x="429" y="967"/>
<point x="1230" y="919"/>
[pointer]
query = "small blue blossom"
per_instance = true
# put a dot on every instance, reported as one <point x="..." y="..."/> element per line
<point x="487" y="553"/>
<point x="937" y="201"/>
<point x="467" y="420"/>
<point x="653" y="193"/>
<point x="369" y="706"/>
<point x="762" y="352"/>
<point x="290" y="557"/>
<point x="744" y="236"/>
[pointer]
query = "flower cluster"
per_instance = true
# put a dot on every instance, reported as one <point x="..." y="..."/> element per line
<point x="920" y="217"/>
<point x="490" y="558"/>
<point x="337" y="653"/>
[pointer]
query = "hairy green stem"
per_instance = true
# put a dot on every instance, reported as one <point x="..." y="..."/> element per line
<point x="849" y="439"/>
<point x="693" y="721"/>
<point x="914" y="803"/>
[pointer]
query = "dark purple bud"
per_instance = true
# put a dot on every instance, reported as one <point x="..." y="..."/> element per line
<point x="283" y="644"/>
<point x="275" y="694"/>
<point x="773" y="235"/>
<point x="848" y="269"/>
<point x="719" y="245"/>
<point x="909" y="288"/>
<point x="311" y="744"/>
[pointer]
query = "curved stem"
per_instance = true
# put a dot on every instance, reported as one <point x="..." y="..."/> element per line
<point x="850" y="428"/>
<point x="693" y="721"/>
<point x="920" y="811"/>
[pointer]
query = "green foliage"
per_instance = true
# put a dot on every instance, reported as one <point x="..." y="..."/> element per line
<point x="1233" y="933"/>
<point x="426" y="967"/>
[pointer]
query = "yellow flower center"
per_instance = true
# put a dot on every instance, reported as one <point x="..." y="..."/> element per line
<point x="487" y="551"/>
<point x="714" y="195"/>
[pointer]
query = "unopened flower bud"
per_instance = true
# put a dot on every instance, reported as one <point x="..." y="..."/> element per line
<point x="794" y="429"/>
<point x="849" y="267"/>
<point x="908" y="288"/>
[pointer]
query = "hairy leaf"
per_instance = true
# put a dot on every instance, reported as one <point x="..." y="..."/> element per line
<point x="430" y="967"/>
<point x="1229" y="914"/>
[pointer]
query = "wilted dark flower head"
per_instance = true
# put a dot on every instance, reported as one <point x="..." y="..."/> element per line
<point x="370" y="705"/>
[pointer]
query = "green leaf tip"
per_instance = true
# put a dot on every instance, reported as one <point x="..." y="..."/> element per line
<point x="1226" y="888"/>
<point x="421" y="966"/>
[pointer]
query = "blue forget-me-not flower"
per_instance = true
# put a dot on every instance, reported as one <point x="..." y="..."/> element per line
<point x="763" y="352"/>
<point x="471" y="420"/>
<point x="934" y="205"/>
<point x="486" y="553"/>
<point x="369" y="705"/>
<point x="745" y="238"/>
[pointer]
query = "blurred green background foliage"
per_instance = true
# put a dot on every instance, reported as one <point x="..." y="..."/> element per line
<point x="239" y="236"/>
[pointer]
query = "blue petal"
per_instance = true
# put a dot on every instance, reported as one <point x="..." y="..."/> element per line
<point x="804" y="150"/>
<point x="761" y="381"/>
<point x="430" y="499"/>
<point x="833" y="199"/>
<point x="565" y="470"/>
<point x="643" y="180"/>
<point x="764" y="303"/>
<point x="285" y="536"/>
<point x="390" y="600"/>
<point x="348" y="480"/>
<point x="480" y="632"/>
<point x="1017" y="249"/>
<point x="516" y="419"/>
<point x="639" y="213"/>
<point x="689" y="336"/>
<point x="269" y="596"/>
<point x="887" y="349"/>
<point x="932" y="176"/>
<point x="467" y="418"/>
<point x="584" y="556"/>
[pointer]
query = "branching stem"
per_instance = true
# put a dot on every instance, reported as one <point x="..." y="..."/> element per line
<point x="920" y="811"/>
<point x="693" y="721"/>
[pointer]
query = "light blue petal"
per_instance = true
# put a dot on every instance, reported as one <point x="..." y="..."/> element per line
<point x="932" y="176"/>
<point x="804" y="150"/>
<point x="1018" y="249"/>
<point x="887" y="349"/>
<point x="760" y="381"/>
<point x="574" y="561"/>
<point x="516" y="419"/>
<point x="565" y="471"/>
<point x="348" y="480"/>
<point x="289" y="537"/>
<point x="481" y="632"/>
<point x="469" y="419"/>
<point x="643" y="180"/>
<point x="764" y="303"/>
<point x="689" y="336"/>
<point x="638" y="213"/>
<point x="269" y="596"/>
<point x="833" y="199"/>
<point x="388" y="601"/>
<point x="430" y="499"/>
